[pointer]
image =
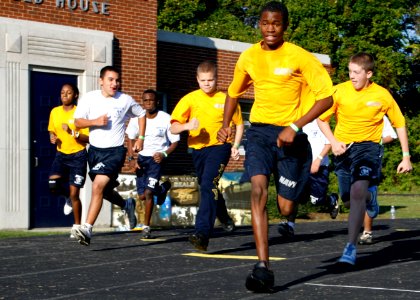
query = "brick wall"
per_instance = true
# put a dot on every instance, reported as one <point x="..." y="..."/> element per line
<point x="133" y="23"/>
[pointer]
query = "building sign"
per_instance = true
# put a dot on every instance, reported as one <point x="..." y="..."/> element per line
<point x="96" y="7"/>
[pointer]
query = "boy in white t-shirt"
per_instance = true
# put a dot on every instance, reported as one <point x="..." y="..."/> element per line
<point x="159" y="143"/>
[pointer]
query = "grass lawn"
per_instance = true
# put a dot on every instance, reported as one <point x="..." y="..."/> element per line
<point x="406" y="206"/>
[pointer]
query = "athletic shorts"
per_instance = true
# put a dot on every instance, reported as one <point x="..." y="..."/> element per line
<point x="73" y="166"/>
<point x="106" y="161"/>
<point x="318" y="185"/>
<point x="361" y="161"/>
<point x="290" y="165"/>
<point x="148" y="175"/>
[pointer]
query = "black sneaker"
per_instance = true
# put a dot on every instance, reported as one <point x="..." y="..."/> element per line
<point x="199" y="241"/>
<point x="286" y="230"/>
<point x="261" y="279"/>
<point x="164" y="191"/>
<point x="334" y="205"/>
<point x="146" y="233"/>
<point x="229" y="225"/>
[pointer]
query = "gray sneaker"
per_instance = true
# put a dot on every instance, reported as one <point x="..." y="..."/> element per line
<point x="82" y="234"/>
<point x="130" y="210"/>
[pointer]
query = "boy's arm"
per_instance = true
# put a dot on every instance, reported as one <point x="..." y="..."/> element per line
<point x="405" y="165"/>
<point x="316" y="163"/>
<point x="337" y="147"/>
<point x="85" y="123"/>
<point x="288" y="134"/>
<point x="177" y="128"/>
<point x="130" y="154"/>
<point x="138" y="145"/>
<point x="237" y="142"/>
<point x="226" y="131"/>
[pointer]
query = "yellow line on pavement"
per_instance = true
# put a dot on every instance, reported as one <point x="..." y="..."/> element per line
<point x="227" y="256"/>
<point x="153" y="240"/>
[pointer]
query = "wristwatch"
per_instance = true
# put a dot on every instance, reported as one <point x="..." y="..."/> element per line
<point x="130" y="158"/>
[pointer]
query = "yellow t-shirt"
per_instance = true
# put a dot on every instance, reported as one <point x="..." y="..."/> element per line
<point x="209" y="112"/>
<point x="69" y="144"/>
<point x="360" y="114"/>
<point x="278" y="77"/>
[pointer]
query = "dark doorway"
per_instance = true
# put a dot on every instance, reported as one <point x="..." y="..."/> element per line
<point x="46" y="209"/>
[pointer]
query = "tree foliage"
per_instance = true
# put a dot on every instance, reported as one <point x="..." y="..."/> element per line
<point x="388" y="29"/>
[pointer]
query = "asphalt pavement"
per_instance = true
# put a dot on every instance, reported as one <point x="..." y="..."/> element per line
<point x="120" y="265"/>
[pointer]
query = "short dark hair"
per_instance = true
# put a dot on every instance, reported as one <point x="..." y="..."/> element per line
<point x="365" y="60"/>
<point x="151" y="91"/>
<point x="275" y="6"/>
<point x="106" y="69"/>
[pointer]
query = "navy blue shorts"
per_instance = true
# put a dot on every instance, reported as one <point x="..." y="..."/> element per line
<point x="318" y="185"/>
<point x="73" y="166"/>
<point x="148" y="175"/>
<point x="361" y="161"/>
<point x="290" y="165"/>
<point x="106" y="161"/>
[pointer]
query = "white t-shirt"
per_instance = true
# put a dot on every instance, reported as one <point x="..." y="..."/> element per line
<point x="317" y="140"/>
<point x="118" y="108"/>
<point x="388" y="130"/>
<point x="158" y="137"/>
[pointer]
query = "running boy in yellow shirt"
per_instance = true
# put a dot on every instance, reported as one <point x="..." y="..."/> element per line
<point x="360" y="106"/>
<point x="276" y="144"/>
<point x="201" y="113"/>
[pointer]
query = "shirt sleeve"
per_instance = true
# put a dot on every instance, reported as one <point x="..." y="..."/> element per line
<point x="182" y="111"/>
<point x="132" y="130"/>
<point x="241" y="80"/>
<point x="317" y="77"/>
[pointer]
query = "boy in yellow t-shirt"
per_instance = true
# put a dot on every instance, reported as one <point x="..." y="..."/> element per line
<point x="276" y="144"/>
<point x="71" y="157"/>
<point x="360" y="106"/>
<point x="201" y="113"/>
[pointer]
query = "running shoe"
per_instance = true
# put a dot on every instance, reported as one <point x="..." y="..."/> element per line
<point x="229" y="225"/>
<point x="130" y="210"/>
<point x="261" y="279"/>
<point x="285" y="230"/>
<point x="366" y="238"/>
<point x="72" y="236"/>
<point x="349" y="255"/>
<point x="163" y="192"/>
<point x="372" y="207"/>
<point x="334" y="205"/>
<point x="139" y="227"/>
<point x="146" y="233"/>
<point x="199" y="241"/>
<point x="82" y="234"/>
<point x="68" y="208"/>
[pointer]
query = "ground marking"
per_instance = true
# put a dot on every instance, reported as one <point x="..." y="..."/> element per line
<point x="362" y="287"/>
<point x="227" y="256"/>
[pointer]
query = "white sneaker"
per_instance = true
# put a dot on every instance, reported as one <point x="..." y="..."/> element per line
<point x="366" y="238"/>
<point x="68" y="208"/>
<point x="82" y="234"/>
